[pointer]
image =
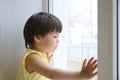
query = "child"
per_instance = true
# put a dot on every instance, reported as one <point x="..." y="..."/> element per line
<point x="41" y="34"/>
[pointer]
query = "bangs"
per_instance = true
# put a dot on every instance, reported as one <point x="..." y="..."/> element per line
<point x="55" y="24"/>
<point x="48" y="23"/>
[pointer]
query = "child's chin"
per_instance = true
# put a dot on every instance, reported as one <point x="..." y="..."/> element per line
<point x="53" y="51"/>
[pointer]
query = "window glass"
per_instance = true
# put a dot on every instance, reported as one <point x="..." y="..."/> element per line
<point x="78" y="39"/>
<point x="81" y="17"/>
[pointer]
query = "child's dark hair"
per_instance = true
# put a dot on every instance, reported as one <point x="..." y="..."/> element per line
<point x="40" y="24"/>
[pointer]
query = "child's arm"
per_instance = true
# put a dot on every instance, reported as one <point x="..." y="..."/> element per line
<point x="37" y="64"/>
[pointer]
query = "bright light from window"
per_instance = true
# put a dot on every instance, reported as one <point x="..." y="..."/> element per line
<point x="82" y="21"/>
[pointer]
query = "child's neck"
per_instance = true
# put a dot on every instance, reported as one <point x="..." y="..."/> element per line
<point x="38" y="49"/>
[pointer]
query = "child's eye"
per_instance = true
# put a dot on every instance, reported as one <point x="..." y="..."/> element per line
<point x="54" y="36"/>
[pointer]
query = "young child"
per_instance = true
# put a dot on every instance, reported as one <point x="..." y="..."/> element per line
<point x="41" y="34"/>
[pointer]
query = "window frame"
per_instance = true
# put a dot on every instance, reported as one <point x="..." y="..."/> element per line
<point x="107" y="40"/>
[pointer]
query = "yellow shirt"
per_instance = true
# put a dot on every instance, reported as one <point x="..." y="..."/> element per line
<point x="22" y="72"/>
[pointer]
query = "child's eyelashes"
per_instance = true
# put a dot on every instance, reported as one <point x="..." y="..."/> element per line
<point x="55" y="36"/>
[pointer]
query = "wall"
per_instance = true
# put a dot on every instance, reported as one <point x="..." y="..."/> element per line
<point x="13" y="15"/>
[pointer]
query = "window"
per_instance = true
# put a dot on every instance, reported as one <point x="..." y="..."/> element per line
<point x="106" y="37"/>
<point x="79" y="18"/>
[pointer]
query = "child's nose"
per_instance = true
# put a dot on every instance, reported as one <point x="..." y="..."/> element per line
<point x="57" y="40"/>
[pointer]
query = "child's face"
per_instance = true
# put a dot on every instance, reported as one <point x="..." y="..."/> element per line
<point x="49" y="42"/>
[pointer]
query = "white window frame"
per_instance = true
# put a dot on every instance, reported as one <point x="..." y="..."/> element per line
<point x="45" y="6"/>
<point x="107" y="43"/>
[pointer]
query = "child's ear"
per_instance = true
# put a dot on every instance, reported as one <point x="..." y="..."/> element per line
<point x="37" y="38"/>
